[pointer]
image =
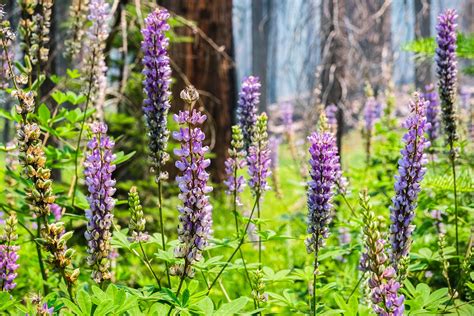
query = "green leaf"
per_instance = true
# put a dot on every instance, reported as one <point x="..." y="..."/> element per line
<point x="84" y="301"/>
<point x="59" y="97"/>
<point x="120" y="157"/>
<point x="233" y="307"/>
<point x="73" y="74"/>
<point x="73" y="307"/>
<point x="120" y="239"/>
<point x="106" y="306"/>
<point x="206" y="306"/>
<point x="44" y="114"/>
<point x="6" y="302"/>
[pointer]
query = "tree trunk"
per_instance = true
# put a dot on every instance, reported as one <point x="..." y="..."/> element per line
<point x="207" y="64"/>
<point x="261" y="10"/>
<point x="334" y="59"/>
<point x="423" y="74"/>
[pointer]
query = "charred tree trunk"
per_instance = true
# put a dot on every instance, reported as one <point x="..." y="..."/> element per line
<point x="334" y="59"/>
<point x="207" y="64"/>
<point x="423" y="74"/>
<point x="261" y="10"/>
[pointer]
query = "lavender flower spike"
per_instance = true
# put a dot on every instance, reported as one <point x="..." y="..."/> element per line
<point x="157" y="72"/>
<point x="235" y="162"/>
<point x="446" y="68"/>
<point x="407" y="186"/>
<point x="331" y="115"/>
<point x="9" y="255"/>
<point x="195" y="217"/>
<point x="287" y="116"/>
<point x="324" y="168"/>
<point x="258" y="159"/>
<point x="97" y="34"/>
<point x="249" y="97"/>
<point x="432" y="112"/>
<point x="382" y="283"/>
<point x="98" y="170"/>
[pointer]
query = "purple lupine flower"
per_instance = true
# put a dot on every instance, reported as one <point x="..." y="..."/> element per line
<point x="370" y="114"/>
<point x="8" y="266"/>
<point x="235" y="162"/>
<point x="407" y="186"/>
<point x="331" y="112"/>
<point x="98" y="168"/>
<point x="446" y="68"/>
<point x="157" y="72"/>
<point x="56" y="210"/>
<point x="324" y="163"/>
<point x="258" y="159"/>
<point x="384" y="289"/>
<point x="195" y="216"/>
<point x="287" y="110"/>
<point x="273" y="145"/>
<point x="432" y="112"/>
<point x="382" y="281"/>
<point x="9" y="255"/>
<point x="97" y="34"/>
<point x="465" y="96"/>
<point x="249" y="97"/>
<point x="437" y="215"/>
<point x="5" y="55"/>
<point x="344" y="236"/>
<point x="44" y="310"/>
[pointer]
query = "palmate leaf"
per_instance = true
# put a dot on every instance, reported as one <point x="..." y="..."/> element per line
<point x="444" y="182"/>
<point x="427" y="46"/>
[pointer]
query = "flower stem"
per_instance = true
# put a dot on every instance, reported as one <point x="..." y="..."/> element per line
<point x="242" y="238"/>
<point x="259" y="236"/>
<point x="78" y="144"/>
<point x="453" y="166"/>
<point x="40" y="257"/>
<point x="162" y="227"/>
<point x="148" y="264"/>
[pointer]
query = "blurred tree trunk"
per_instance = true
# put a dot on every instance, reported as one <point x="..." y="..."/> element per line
<point x="261" y="12"/>
<point x="207" y="64"/>
<point x="334" y="58"/>
<point x="423" y="74"/>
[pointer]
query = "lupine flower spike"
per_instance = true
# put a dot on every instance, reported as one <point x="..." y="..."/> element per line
<point x="9" y="254"/>
<point x="382" y="281"/>
<point x="234" y="182"/>
<point x="258" y="158"/>
<point x="98" y="169"/>
<point x="446" y="68"/>
<point x="157" y="72"/>
<point x="331" y="115"/>
<point x="78" y="19"/>
<point x="137" y="220"/>
<point x="432" y="113"/>
<point x="195" y="219"/>
<point x="274" y="145"/>
<point x="97" y="34"/>
<point x="324" y="166"/>
<point x="370" y="116"/>
<point x="249" y="97"/>
<point x="411" y="169"/>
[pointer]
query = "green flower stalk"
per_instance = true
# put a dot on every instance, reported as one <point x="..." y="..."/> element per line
<point x="9" y="254"/>
<point x="137" y="220"/>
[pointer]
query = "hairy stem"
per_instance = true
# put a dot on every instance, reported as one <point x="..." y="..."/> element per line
<point x="162" y="227"/>
<point x="148" y="264"/>
<point x="242" y="238"/>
